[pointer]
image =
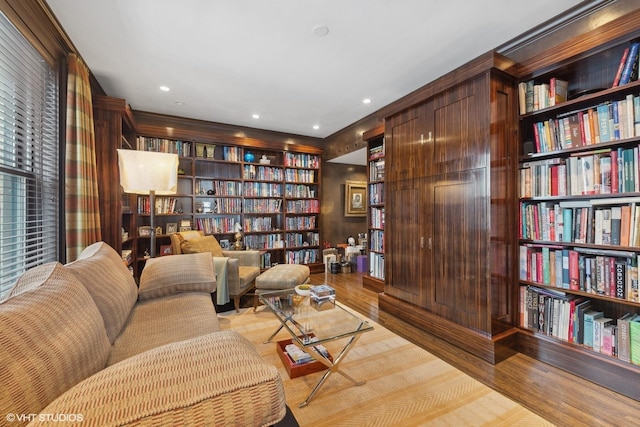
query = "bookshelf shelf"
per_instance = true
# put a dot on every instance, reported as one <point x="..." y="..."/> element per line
<point x="579" y="174"/>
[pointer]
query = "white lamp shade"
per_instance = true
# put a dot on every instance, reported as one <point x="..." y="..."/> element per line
<point x="143" y="171"/>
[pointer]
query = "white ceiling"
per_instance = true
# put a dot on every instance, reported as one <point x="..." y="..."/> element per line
<point x="225" y="60"/>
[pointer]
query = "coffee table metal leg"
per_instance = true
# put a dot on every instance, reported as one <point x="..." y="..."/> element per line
<point x="274" y="334"/>
<point x="333" y="367"/>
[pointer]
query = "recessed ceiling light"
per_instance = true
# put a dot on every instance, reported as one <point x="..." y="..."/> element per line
<point x="165" y="88"/>
<point x="255" y="116"/>
<point x="316" y="127"/>
<point x="320" y="30"/>
<point x="366" y="101"/>
<point x="180" y="103"/>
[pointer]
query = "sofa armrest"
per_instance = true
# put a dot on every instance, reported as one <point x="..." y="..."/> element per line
<point x="245" y="258"/>
<point x="218" y="376"/>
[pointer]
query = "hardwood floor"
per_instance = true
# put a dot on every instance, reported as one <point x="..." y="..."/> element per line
<point x="560" y="397"/>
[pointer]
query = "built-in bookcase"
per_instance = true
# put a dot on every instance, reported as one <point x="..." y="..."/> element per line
<point x="579" y="213"/>
<point x="373" y="278"/>
<point x="273" y="196"/>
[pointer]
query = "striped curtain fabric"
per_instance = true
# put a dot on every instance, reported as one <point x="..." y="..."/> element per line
<point x="82" y="214"/>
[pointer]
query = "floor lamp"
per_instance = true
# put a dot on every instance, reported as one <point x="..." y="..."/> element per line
<point x="149" y="173"/>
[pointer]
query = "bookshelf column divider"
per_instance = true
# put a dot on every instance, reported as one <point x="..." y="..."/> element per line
<point x="373" y="277"/>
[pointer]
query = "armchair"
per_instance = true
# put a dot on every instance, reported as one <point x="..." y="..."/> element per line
<point x="242" y="267"/>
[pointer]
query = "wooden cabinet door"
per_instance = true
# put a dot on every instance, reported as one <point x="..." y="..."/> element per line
<point x="457" y="207"/>
<point x="457" y="130"/>
<point x="403" y="253"/>
<point x="405" y="145"/>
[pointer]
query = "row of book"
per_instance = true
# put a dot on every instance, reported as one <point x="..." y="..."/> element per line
<point x="628" y="67"/>
<point x="582" y="221"/>
<point x="299" y="191"/>
<point x="376" y="170"/>
<point x="607" y="171"/>
<point x="376" y="152"/>
<point x="303" y="256"/>
<point x="220" y="188"/>
<point x="164" y="145"/>
<point x="225" y="206"/>
<point x="610" y="121"/>
<point x="300" y="160"/>
<point x="301" y="223"/>
<point x="534" y="96"/>
<point x="377" y="217"/>
<point x="164" y="205"/>
<point x="262" y="173"/>
<point x="255" y="224"/>
<point x="613" y="274"/>
<point x="376" y="194"/>
<point x="310" y="238"/>
<point x="303" y="206"/>
<point x="265" y="260"/>
<point x="376" y="240"/>
<point x="576" y="319"/>
<point x="376" y="265"/>
<point x="216" y="225"/>
<point x="300" y="175"/>
<point x="262" y="189"/>
<point x="261" y="205"/>
<point x="264" y="241"/>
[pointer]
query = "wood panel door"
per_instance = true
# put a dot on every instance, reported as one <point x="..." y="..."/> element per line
<point x="457" y="209"/>
<point x="458" y="127"/>
<point x="403" y="236"/>
<point x="405" y="145"/>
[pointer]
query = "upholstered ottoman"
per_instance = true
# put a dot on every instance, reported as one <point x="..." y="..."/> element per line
<point x="281" y="276"/>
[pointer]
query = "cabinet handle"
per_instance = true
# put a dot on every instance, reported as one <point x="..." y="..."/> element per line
<point x="421" y="138"/>
<point x="430" y="247"/>
<point x="421" y="242"/>
<point x="430" y="138"/>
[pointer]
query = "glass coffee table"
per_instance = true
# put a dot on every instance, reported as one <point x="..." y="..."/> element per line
<point x="311" y="326"/>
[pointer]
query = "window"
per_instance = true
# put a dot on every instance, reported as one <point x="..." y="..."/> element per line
<point x="29" y="158"/>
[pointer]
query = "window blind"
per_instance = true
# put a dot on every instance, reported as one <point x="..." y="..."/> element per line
<point x="29" y="158"/>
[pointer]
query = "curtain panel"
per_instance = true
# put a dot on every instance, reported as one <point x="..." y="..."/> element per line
<point x="82" y="215"/>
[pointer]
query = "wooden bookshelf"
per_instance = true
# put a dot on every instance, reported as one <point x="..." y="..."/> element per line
<point x="373" y="277"/>
<point x="273" y="195"/>
<point x="557" y="182"/>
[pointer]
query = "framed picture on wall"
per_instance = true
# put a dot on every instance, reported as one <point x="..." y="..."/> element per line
<point x="355" y="198"/>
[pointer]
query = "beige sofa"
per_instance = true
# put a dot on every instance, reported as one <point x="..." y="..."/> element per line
<point x="236" y="269"/>
<point x="80" y="342"/>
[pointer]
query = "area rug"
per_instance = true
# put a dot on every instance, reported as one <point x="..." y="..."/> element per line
<point x="405" y="385"/>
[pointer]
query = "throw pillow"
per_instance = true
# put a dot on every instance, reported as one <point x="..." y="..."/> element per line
<point x="202" y="244"/>
<point x="101" y="270"/>
<point x="168" y="275"/>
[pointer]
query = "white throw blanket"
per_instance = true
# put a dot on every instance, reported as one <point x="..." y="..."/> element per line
<point x="222" y="293"/>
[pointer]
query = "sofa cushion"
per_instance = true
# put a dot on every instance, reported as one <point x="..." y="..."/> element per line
<point x="101" y="270"/>
<point x="201" y="244"/>
<point x="172" y="274"/>
<point x="52" y="336"/>
<point x="213" y="379"/>
<point x="160" y="321"/>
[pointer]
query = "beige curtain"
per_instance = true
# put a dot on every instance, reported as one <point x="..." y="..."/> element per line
<point x="82" y="214"/>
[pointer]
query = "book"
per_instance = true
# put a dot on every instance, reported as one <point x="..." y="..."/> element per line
<point x="624" y="349"/>
<point x="634" y="339"/>
<point x="589" y="318"/>
<point x="598" y="327"/>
